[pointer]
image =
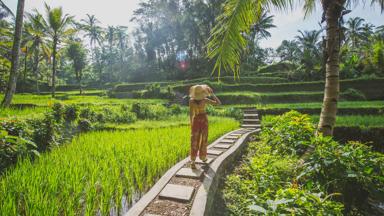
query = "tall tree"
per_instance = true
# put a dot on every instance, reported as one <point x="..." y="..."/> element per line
<point x="92" y="31"/>
<point x="56" y="26"/>
<point x="288" y="51"/>
<point x="354" y="31"/>
<point x="11" y="87"/>
<point x="227" y="42"/>
<point x="35" y="40"/>
<point x="76" y="52"/>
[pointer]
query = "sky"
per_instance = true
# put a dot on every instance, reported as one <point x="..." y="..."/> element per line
<point x="119" y="12"/>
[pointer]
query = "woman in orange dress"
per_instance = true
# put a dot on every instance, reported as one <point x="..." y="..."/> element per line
<point x="199" y="120"/>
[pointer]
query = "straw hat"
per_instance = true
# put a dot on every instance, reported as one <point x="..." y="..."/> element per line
<point x="198" y="92"/>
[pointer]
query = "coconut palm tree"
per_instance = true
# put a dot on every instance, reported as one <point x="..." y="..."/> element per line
<point x="309" y="40"/>
<point x="260" y="28"/>
<point x="227" y="41"/>
<point x="11" y="86"/>
<point x="34" y="30"/>
<point x="92" y="31"/>
<point x="354" y="31"/>
<point x="57" y="28"/>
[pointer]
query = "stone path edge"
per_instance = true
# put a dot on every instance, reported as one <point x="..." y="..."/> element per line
<point x="145" y="200"/>
<point x="204" y="197"/>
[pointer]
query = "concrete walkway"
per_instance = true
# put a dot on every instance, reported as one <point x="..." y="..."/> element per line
<point x="184" y="191"/>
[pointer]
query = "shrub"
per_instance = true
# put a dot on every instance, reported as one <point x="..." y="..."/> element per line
<point x="353" y="170"/>
<point x="264" y="185"/>
<point x="12" y="148"/>
<point x="70" y="112"/>
<point x="289" y="133"/>
<point x="149" y="111"/>
<point x="330" y="178"/>
<point x="353" y="94"/>
<point x="57" y="111"/>
<point x="45" y="132"/>
<point x="15" y="127"/>
<point x="100" y="117"/>
<point x="84" y="125"/>
<point x="124" y="117"/>
<point x="88" y="113"/>
<point x="176" y="109"/>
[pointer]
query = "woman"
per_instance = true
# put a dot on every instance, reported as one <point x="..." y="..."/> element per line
<point x="199" y="121"/>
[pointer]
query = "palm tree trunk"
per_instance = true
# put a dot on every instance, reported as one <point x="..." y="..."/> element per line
<point x="54" y="64"/>
<point x="11" y="86"/>
<point x="331" y="91"/>
<point x="36" y="68"/>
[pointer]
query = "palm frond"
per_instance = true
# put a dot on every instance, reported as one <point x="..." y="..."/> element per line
<point x="227" y="40"/>
<point x="6" y="8"/>
<point x="380" y="3"/>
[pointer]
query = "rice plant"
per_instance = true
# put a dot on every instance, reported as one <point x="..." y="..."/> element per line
<point x="93" y="173"/>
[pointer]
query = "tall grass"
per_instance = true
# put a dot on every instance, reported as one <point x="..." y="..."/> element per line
<point x="340" y="104"/>
<point x="91" y="175"/>
<point x="22" y="112"/>
<point x="348" y="120"/>
<point x="71" y="98"/>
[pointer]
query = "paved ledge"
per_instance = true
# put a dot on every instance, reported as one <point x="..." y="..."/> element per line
<point x="204" y="197"/>
<point x="139" y="207"/>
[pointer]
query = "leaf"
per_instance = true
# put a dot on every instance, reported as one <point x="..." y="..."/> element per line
<point x="258" y="209"/>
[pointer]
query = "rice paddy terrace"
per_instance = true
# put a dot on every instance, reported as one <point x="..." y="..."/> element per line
<point x="112" y="146"/>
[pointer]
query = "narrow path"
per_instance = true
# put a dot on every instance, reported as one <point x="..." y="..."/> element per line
<point x="183" y="191"/>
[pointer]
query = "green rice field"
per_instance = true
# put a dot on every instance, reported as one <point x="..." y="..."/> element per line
<point x="340" y="104"/>
<point x="93" y="173"/>
<point x="348" y="120"/>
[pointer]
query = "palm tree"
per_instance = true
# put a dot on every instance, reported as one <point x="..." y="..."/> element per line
<point x="310" y="51"/>
<point x="354" y="31"/>
<point x="11" y="87"/>
<point x="35" y="41"/>
<point x="227" y="41"/>
<point x="260" y="28"/>
<point x="56" y="25"/>
<point x="309" y="40"/>
<point x="110" y="36"/>
<point x="92" y="31"/>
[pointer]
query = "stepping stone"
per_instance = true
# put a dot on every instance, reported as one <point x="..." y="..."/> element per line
<point x="223" y="146"/>
<point x="189" y="173"/>
<point x="227" y="141"/>
<point x="251" y="115"/>
<point x="250" y="126"/>
<point x="237" y="134"/>
<point x="251" y="121"/>
<point x="177" y="192"/>
<point x="214" y="152"/>
<point x="209" y="160"/>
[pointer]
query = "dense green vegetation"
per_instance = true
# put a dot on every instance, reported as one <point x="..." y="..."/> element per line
<point x="290" y="171"/>
<point x="96" y="170"/>
<point x="98" y="113"/>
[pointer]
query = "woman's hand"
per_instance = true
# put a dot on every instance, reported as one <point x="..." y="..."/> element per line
<point x="209" y="89"/>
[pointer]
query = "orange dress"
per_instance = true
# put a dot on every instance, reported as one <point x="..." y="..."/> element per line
<point x="199" y="128"/>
